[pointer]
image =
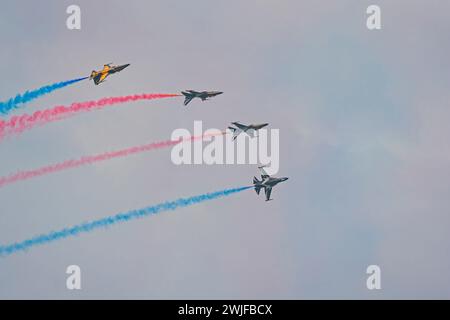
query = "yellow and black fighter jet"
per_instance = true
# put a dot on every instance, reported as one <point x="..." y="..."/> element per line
<point x="100" y="76"/>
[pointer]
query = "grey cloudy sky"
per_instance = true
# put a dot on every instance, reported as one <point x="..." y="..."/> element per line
<point x="363" y="118"/>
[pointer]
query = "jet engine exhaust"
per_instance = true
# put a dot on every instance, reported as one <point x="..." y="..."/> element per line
<point x="115" y="219"/>
<point x="18" y="124"/>
<point x="20" y="99"/>
<point x="87" y="160"/>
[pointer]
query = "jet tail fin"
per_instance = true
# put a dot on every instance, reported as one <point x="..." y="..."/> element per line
<point x="236" y="132"/>
<point x="258" y="187"/>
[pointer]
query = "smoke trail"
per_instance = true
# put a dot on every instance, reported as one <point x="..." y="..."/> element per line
<point x="118" y="218"/>
<point x="69" y="164"/>
<point x="14" y="103"/>
<point x="18" y="124"/>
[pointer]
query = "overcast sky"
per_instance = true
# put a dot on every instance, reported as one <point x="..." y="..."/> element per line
<point x="363" y="119"/>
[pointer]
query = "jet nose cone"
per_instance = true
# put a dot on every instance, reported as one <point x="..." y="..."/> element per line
<point x="126" y="65"/>
<point x="285" y="178"/>
<point x="219" y="92"/>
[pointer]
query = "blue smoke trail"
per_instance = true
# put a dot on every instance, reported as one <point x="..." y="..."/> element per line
<point x="14" y="103"/>
<point x="118" y="218"/>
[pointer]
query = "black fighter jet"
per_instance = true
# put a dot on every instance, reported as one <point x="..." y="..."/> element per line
<point x="204" y="95"/>
<point x="248" y="129"/>
<point x="267" y="182"/>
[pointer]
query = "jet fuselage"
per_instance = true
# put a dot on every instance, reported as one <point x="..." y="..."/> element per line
<point x="250" y="126"/>
<point x="271" y="182"/>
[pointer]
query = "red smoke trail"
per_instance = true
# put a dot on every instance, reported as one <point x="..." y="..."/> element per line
<point x="69" y="164"/>
<point x="18" y="124"/>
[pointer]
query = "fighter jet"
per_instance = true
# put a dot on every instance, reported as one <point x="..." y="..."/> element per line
<point x="204" y="95"/>
<point x="248" y="129"/>
<point x="267" y="182"/>
<point x="100" y="76"/>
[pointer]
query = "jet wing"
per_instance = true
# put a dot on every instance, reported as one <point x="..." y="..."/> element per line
<point x="100" y="78"/>
<point x="268" y="191"/>
<point x="251" y="132"/>
<point x="235" y="131"/>
<point x="240" y="126"/>
<point x="188" y="99"/>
